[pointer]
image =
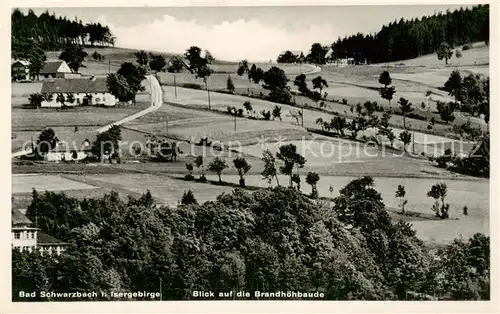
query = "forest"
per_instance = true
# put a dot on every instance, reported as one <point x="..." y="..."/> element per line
<point x="407" y="39"/>
<point x="49" y="32"/>
<point x="271" y="240"/>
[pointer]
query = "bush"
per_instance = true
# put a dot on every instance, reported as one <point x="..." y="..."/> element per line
<point x="466" y="47"/>
<point x="191" y="85"/>
<point x="188" y="198"/>
<point x="344" y="101"/>
<point x="266" y="114"/>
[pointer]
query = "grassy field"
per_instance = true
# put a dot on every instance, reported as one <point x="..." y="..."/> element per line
<point x="219" y="101"/>
<point x="479" y="54"/>
<point x="26" y="183"/>
<point x="168" y="191"/>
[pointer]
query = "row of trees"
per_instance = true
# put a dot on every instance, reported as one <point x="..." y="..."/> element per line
<point x="269" y="240"/>
<point x="54" y="33"/>
<point x="126" y="82"/>
<point x="156" y="62"/>
<point x="317" y="55"/>
<point x="471" y="93"/>
<point x="407" y="39"/>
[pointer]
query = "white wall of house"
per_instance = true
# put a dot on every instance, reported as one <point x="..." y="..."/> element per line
<point x="64" y="68"/>
<point x="65" y="156"/>
<point x="105" y="99"/>
<point x="51" y="249"/>
<point x="24" y="237"/>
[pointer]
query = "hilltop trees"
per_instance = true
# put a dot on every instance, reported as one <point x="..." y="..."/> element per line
<point x="405" y="137"/>
<point x="300" y="82"/>
<point x="269" y="172"/>
<point x="217" y="166"/>
<point x="289" y="156"/>
<point x="401" y="193"/>
<point x="445" y="111"/>
<point x="406" y="107"/>
<point x="199" y="66"/>
<point x="407" y="39"/>
<point x="36" y="99"/>
<point x="454" y="86"/>
<point x="317" y="54"/>
<point x="287" y="57"/>
<point x="385" y="130"/>
<point x="276" y="81"/>
<point x="438" y="192"/>
<point x="386" y="92"/>
<point x="319" y="83"/>
<point x="141" y="58"/>
<point x="108" y="143"/>
<point x="127" y="82"/>
<point x="243" y="167"/>
<point x="243" y="68"/>
<point x="156" y="62"/>
<point x="276" y="112"/>
<point x="312" y="179"/>
<point x="49" y="32"/>
<point x="37" y="60"/>
<point x="176" y="65"/>
<point x="74" y="56"/>
<point x="269" y="240"/>
<point x="47" y="140"/>
<point x="230" y="84"/>
<point x="339" y="124"/>
<point x="444" y="52"/>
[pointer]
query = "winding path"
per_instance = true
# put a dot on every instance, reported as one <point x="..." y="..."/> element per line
<point x="156" y="102"/>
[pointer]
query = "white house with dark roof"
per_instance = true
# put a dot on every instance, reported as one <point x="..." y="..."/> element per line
<point x="71" y="149"/>
<point x="82" y="91"/>
<point x="25" y="237"/>
<point x="20" y="70"/>
<point x="55" y="69"/>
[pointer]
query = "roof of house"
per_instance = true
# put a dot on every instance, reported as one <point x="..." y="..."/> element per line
<point x="51" y="67"/>
<point x="23" y="62"/>
<point x="75" y="85"/>
<point x="45" y="239"/>
<point x="75" y="142"/>
<point x="19" y="218"/>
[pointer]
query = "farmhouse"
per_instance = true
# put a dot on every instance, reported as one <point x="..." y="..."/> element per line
<point x="77" y="92"/>
<point x="56" y="69"/>
<point x="73" y="148"/>
<point x="25" y="237"/>
<point x="20" y="70"/>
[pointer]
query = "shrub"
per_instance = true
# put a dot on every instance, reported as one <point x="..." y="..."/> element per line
<point x="466" y="47"/>
<point x="191" y="85"/>
<point x="188" y="198"/>
<point x="266" y="114"/>
<point x="239" y="112"/>
<point x="344" y="101"/>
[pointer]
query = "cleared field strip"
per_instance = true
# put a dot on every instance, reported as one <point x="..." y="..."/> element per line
<point x="473" y="194"/>
<point x="24" y="184"/>
<point x="163" y="188"/>
<point x="221" y="101"/>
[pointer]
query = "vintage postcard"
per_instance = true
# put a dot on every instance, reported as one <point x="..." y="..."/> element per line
<point x="251" y="155"/>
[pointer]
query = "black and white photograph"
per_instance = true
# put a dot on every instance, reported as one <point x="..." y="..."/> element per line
<point x="250" y="153"/>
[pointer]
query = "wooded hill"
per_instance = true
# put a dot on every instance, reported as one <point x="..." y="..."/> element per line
<point x="407" y="39"/>
<point x="269" y="240"/>
<point x="50" y="32"/>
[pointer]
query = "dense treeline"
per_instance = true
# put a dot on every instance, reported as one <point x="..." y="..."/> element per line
<point x="50" y="32"/>
<point x="406" y="39"/>
<point x="270" y="240"/>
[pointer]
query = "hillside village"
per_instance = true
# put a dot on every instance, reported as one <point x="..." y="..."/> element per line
<point x="229" y="169"/>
